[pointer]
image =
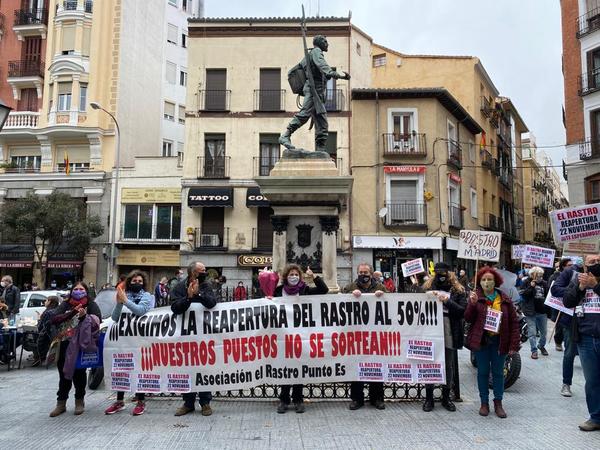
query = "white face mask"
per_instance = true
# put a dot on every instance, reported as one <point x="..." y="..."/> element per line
<point x="293" y="280"/>
<point x="4" y="284"/>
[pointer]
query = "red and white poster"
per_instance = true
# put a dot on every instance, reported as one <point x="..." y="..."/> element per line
<point x="578" y="223"/>
<point x="538" y="256"/>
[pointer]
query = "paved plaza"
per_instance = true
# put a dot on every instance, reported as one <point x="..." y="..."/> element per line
<point x="539" y="418"/>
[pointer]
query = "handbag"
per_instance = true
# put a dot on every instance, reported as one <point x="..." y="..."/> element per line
<point x="53" y="353"/>
<point x="93" y="359"/>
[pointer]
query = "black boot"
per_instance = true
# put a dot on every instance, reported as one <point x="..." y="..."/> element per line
<point x="428" y="405"/>
<point x="446" y="402"/>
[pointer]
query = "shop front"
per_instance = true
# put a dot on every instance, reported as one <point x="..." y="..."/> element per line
<point x="157" y="263"/>
<point x="17" y="260"/>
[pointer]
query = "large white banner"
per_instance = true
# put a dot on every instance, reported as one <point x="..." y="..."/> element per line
<point x="477" y="244"/>
<point x="308" y="339"/>
<point x="579" y="223"/>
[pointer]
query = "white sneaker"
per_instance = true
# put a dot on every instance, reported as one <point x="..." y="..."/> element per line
<point x="566" y="390"/>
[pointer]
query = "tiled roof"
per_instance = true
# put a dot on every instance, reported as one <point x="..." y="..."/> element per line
<point x="267" y="19"/>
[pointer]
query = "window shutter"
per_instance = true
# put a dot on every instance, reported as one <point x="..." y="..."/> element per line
<point x="68" y="38"/>
<point x="171" y="72"/>
<point x="403" y="191"/>
<point x="172" y="34"/>
<point x="64" y="88"/>
<point x="169" y="109"/>
<point x="87" y="39"/>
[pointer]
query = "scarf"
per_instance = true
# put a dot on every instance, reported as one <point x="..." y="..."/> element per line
<point x="82" y="302"/>
<point x="294" y="290"/>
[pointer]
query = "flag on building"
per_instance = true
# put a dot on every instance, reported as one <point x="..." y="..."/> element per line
<point x="482" y="143"/>
<point x="66" y="162"/>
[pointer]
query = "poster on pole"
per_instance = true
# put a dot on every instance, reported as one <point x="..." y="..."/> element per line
<point x="287" y="340"/>
<point x="538" y="256"/>
<point x="557" y="303"/>
<point x="413" y="267"/>
<point x="477" y="244"/>
<point x="517" y="251"/>
<point x="578" y="223"/>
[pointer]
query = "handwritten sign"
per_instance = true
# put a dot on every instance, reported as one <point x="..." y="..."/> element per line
<point x="581" y="222"/>
<point x="476" y="244"/>
<point x="412" y="267"/>
<point x="492" y="320"/>
<point x="538" y="256"/>
<point x="517" y="251"/>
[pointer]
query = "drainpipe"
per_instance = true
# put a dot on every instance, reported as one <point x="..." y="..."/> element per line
<point x="377" y="187"/>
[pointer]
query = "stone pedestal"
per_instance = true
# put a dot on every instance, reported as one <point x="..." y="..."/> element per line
<point x="307" y="196"/>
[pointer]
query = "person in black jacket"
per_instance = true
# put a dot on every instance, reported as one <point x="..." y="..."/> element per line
<point x="293" y="285"/>
<point x="454" y="304"/>
<point x="193" y="289"/>
<point x="11" y="295"/>
<point x="583" y="294"/>
<point x="559" y="337"/>
<point x="533" y="291"/>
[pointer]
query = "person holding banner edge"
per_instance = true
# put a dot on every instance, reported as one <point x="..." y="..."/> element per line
<point x="490" y="347"/>
<point x="293" y="285"/>
<point x="534" y="292"/>
<point x="193" y="289"/>
<point x="452" y="295"/>
<point x="365" y="283"/>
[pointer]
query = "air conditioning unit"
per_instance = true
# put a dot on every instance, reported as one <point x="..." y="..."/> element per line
<point x="209" y="240"/>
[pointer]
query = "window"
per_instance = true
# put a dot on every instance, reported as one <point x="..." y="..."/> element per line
<point x="82" y="96"/>
<point x="182" y="78"/>
<point x="167" y="149"/>
<point x="213" y="227"/>
<point x="270" y="90"/>
<point x="50" y="96"/>
<point x="180" y="148"/>
<point x="214" y="155"/>
<point x="184" y="40"/>
<point x="181" y="116"/>
<point x="171" y="73"/>
<point x="471" y="151"/>
<point x="64" y="96"/>
<point x="592" y="189"/>
<point x="379" y="60"/>
<point x="216" y="94"/>
<point x="264" y="228"/>
<point x="332" y="145"/>
<point x="403" y="123"/>
<point x="169" y="111"/>
<point x="453" y="147"/>
<point x="87" y="38"/>
<point x="27" y="162"/>
<point x="358" y="50"/>
<point x="172" y="33"/>
<point x="454" y="204"/>
<point x="403" y="202"/>
<point x="173" y="3"/>
<point x="186" y="5"/>
<point x="473" y="203"/>
<point x="36" y="301"/>
<point x="74" y="167"/>
<point x="269" y="153"/>
<point x="68" y="39"/>
<point x="160" y="221"/>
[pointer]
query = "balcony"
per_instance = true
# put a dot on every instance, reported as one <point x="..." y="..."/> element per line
<point x="262" y="240"/>
<point x="406" y="214"/>
<point x="413" y="144"/>
<point x="486" y="107"/>
<point x="215" y="100"/>
<point x="496" y="167"/>
<point x="589" y="82"/>
<point x="30" y="22"/>
<point x="211" y="241"/>
<point x="455" y="214"/>
<point x="506" y="178"/>
<point x="13" y="168"/>
<point x="589" y="150"/>
<point x="334" y="100"/>
<point x="267" y="100"/>
<point x="22" y="119"/>
<point x="588" y="23"/>
<point x="493" y="222"/>
<point x="486" y="159"/>
<point x="494" y="120"/>
<point x="263" y="165"/>
<point x="213" y="167"/>
<point x="25" y="68"/>
<point x="454" y="154"/>
<point x="543" y="237"/>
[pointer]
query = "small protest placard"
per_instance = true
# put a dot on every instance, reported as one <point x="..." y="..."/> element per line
<point x="148" y="382"/>
<point x="572" y="224"/>
<point x="399" y="373"/>
<point x="591" y="303"/>
<point x="538" y="256"/>
<point x="122" y="362"/>
<point x="557" y="303"/>
<point x="492" y="320"/>
<point x="430" y="373"/>
<point x="178" y="382"/>
<point x="420" y="349"/>
<point x="370" y="371"/>
<point x="477" y="244"/>
<point x="412" y="267"/>
<point x="517" y="251"/>
<point x="120" y="381"/>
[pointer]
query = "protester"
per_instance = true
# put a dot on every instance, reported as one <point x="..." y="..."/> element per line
<point x="491" y="348"/>
<point x="161" y="292"/>
<point x="292" y="285"/>
<point x="378" y="276"/>
<point x="584" y="294"/>
<point x="454" y="302"/>
<point x="564" y="324"/>
<point x="389" y="284"/>
<point x="46" y="330"/>
<point x="462" y="278"/>
<point x="533" y="291"/>
<point x="193" y="289"/>
<point x="558" y="330"/>
<point x="53" y="284"/>
<point x="136" y="300"/>
<point x="78" y="320"/>
<point x="365" y="283"/>
<point x="11" y="296"/>
<point x="92" y="287"/>
<point x="240" y="292"/>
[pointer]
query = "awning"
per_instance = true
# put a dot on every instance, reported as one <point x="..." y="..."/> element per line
<point x="398" y="242"/>
<point x="64" y="264"/>
<point x="220" y="197"/>
<point x="255" y="199"/>
<point x="16" y="264"/>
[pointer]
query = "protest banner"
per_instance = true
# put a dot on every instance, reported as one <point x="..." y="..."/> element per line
<point x="557" y="303"/>
<point x="413" y="267"/>
<point x="538" y="256"/>
<point x="572" y="224"/>
<point x="479" y="245"/>
<point x="239" y="345"/>
<point x="517" y="251"/>
<point x="582" y="248"/>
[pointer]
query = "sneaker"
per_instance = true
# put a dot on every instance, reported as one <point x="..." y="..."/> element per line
<point x="115" y="408"/>
<point x="566" y="390"/>
<point x="354" y="405"/>
<point x="588" y="425"/>
<point x="544" y="351"/>
<point x="139" y="408"/>
<point x="282" y="408"/>
<point x="559" y="348"/>
<point x="183" y="410"/>
<point x="300" y="407"/>
<point x="379" y="404"/>
<point x="534" y="355"/>
<point x="206" y="410"/>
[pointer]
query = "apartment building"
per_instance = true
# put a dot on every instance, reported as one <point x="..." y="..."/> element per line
<point x="581" y="70"/>
<point x="238" y="103"/>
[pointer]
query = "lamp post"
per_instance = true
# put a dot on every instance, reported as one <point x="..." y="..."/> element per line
<point x="113" y="219"/>
<point x="4" y="112"/>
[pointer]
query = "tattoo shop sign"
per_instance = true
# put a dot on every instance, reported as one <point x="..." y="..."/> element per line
<point x="309" y="339"/>
<point x="482" y="245"/>
<point x="571" y="224"/>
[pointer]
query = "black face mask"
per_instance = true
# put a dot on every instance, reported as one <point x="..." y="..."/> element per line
<point x="594" y="269"/>
<point x="135" y="288"/>
<point x="364" y="279"/>
<point x="201" y="277"/>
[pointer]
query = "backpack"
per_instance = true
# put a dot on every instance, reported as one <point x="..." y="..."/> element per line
<point x="297" y="79"/>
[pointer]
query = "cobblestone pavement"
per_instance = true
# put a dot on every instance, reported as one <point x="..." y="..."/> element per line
<point x="539" y="418"/>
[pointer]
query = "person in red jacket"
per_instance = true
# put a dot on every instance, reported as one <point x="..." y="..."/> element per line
<point x="240" y="293"/>
<point x="389" y="284"/>
<point x="490" y="347"/>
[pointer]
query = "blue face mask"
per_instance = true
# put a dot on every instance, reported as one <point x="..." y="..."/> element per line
<point x="78" y="294"/>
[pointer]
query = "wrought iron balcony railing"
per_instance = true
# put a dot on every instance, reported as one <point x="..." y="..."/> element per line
<point x="455" y="214"/>
<point x="31" y="17"/>
<point x="411" y="144"/>
<point x="334" y="100"/>
<point x="406" y="214"/>
<point x="25" y="68"/>
<point x="589" y="82"/>
<point x="588" y="23"/>
<point x="211" y="241"/>
<point x="454" y="154"/>
<point x="213" y="167"/>
<point x="268" y="100"/>
<point x="215" y="100"/>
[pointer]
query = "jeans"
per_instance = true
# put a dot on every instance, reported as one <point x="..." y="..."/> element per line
<point x="534" y="324"/>
<point x="297" y="396"/>
<point x="589" y="354"/>
<point x="559" y="334"/>
<point x="569" y="354"/>
<point x="357" y="391"/>
<point x="450" y="372"/>
<point x="64" y="385"/>
<point x="204" y="398"/>
<point x="488" y="357"/>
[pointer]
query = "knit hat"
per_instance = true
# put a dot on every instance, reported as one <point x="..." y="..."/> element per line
<point x="442" y="267"/>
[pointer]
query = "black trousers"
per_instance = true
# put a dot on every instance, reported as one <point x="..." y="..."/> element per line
<point x="64" y="385"/>
<point x="139" y="395"/>
<point x="204" y="398"/>
<point x="357" y="391"/>
<point x="297" y="395"/>
<point x="559" y="334"/>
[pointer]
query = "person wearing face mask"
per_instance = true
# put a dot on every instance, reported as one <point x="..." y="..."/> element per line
<point x="11" y="296"/>
<point x="365" y="283"/>
<point x="388" y="282"/>
<point x="74" y="317"/>
<point x="533" y="293"/>
<point x="193" y="289"/>
<point x="136" y="300"/>
<point x="583" y="294"/>
<point x="490" y="348"/>
<point x="293" y="284"/>
<point x="462" y="278"/>
<point x="240" y="292"/>
<point x="53" y="284"/>
<point x="452" y="295"/>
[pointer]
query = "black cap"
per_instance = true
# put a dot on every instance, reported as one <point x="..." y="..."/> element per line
<point x="441" y="266"/>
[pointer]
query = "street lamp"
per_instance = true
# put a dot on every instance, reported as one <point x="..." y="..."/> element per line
<point x="4" y="112"/>
<point x="113" y="223"/>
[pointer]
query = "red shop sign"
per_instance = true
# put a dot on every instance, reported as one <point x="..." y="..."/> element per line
<point x="404" y="169"/>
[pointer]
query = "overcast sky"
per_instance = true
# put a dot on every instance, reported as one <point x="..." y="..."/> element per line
<point x="518" y="42"/>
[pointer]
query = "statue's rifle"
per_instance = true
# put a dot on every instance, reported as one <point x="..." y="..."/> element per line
<point x="319" y="106"/>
